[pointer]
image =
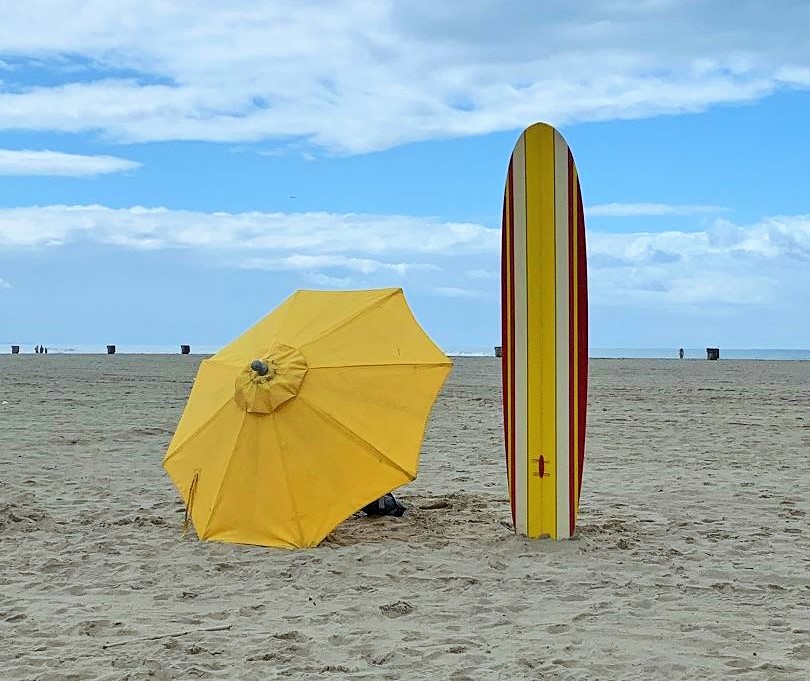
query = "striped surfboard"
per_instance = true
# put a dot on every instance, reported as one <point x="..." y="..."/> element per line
<point x="544" y="293"/>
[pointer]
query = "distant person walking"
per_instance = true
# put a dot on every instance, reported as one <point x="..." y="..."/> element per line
<point x="36" y="349"/>
<point x="680" y="353"/>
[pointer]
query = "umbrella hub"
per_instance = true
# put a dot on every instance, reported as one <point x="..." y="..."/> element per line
<point x="270" y="380"/>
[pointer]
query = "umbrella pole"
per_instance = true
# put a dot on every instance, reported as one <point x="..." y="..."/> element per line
<point x="192" y="489"/>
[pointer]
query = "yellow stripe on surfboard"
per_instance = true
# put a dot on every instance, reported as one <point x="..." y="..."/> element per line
<point x="541" y="316"/>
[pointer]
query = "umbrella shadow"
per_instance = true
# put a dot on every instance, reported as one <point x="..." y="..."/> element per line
<point x="430" y="520"/>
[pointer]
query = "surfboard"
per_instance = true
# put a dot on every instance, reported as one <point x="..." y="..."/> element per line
<point x="544" y="305"/>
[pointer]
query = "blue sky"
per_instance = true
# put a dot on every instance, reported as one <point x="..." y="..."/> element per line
<point x="169" y="175"/>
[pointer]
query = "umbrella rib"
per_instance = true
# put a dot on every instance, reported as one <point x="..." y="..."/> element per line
<point x="196" y="431"/>
<point x="429" y="365"/>
<point x="217" y="496"/>
<point x="219" y="361"/>
<point x="375" y="303"/>
<point x="355" y="436"/>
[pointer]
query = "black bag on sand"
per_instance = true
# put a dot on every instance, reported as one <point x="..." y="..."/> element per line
<point x="385" y="505"/>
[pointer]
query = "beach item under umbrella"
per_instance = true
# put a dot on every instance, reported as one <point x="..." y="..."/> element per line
<point x="314" y="412"/>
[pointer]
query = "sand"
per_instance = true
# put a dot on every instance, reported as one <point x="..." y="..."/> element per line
<point x="692" y="559"/>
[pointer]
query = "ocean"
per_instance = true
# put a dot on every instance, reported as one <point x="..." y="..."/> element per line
<point x="455" y="351"/>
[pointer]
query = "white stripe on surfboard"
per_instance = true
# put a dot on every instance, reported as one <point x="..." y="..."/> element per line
<point x="562" y="334"/>
<point x="519" y="322"/>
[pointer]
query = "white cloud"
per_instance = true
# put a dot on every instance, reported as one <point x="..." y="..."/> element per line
<point x="268" y="234"/>
<point x="26" y="162"/>
<point x="763" y="263"/>
<point x="622" y="210"/>
<point x="321" y="279"/>
<point x="361" y="75"/>
<point x="296" y="262"/>
<point x="457" y="292"/>
<point x="767" y="262"/>
<point x="326" y="248"/>
<point x="4" y="284"/>
<point x="481" y="274"/>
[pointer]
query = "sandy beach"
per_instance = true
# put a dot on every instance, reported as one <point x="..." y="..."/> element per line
<point x="692" y="558"/>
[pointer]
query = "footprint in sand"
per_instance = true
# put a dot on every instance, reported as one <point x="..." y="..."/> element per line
<point x="92" y="627"/>
<point x="557" y="628"/>
<point x="801" y="652"/>
<point x="397" y="609"/>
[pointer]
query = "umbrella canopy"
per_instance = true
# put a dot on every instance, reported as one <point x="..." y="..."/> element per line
<point x="308" y="416"/>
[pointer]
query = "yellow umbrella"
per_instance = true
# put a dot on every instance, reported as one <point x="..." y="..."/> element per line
<point x="311" y="414"/>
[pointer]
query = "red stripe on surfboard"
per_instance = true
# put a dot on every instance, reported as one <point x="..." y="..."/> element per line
<point x="572" y="350"/>
<point x="512" y="413"/>
<point x="505" y="327"/>
<point x="508" y="335"/>
<point x="582" y="339"/>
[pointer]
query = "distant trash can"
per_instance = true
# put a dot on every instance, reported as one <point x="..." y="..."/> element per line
<point x="499" y="351"/>
<point x="712" y="353"/>
<point x="15" y="349"/>
<point x="185" y="349"/>
<point x="110" y="349"/>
